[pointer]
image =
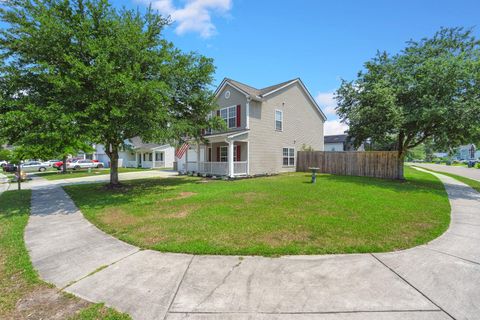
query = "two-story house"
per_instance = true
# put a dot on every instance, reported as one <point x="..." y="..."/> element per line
<point x="265" y="129"/>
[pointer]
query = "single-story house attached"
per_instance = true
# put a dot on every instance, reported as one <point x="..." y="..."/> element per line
<point x="138" y="154"/>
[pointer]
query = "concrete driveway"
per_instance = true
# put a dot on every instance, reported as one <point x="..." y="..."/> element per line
<point x="439" y="280"/>
<point x="471" y="173"/>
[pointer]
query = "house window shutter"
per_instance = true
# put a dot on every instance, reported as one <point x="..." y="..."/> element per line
<point x="239" y="120"/>
<point x="218" y="154"/>
<point x="218" y="113"/>
<point x="238" y="152"/>
<point x="209" y="154"/>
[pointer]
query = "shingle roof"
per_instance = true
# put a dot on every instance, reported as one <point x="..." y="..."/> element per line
<point x="137" y="143"/>
<point x="338" y="138"/>
<point x="259" y="94"/>
<point x="254" y="91"/>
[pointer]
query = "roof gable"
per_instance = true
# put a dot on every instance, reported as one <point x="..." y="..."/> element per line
<point x="261" y="94"/>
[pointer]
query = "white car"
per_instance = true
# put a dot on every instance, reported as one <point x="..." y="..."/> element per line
<point x="84" y="164"/>
<point x="33" y="166"/>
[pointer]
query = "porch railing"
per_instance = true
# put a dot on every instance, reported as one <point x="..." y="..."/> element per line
<point x="240" y="168"/>
<point x="218" y="168"/>
<point x="131" y="164"/>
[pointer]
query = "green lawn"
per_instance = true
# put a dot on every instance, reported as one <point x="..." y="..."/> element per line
<point x="56" y="175"/>
<point x="472" y="183"/>
<point x="22" y="294"/>
<point x="283" y="214"/>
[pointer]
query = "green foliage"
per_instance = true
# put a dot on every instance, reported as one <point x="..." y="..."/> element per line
<point x="306" y="147"/>
<point x="5" y="154"/>
<point x="83" y="71"/>
<point x="17" y="275"/>
<point x="100" y="312"/>
<point x="430" y="90"/>
<point x="417" y="153"/>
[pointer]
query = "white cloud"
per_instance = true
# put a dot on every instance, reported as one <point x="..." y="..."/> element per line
<point x="195" y="15"/>
<point x="327" y="102"/>
<point x="334" y="127"/>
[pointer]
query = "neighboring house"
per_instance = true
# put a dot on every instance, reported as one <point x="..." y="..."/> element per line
<point x="138" y="154"/>
<point x="266" y="128"/>
<point x="339" y="142"/>
<point x="466" y="152"/>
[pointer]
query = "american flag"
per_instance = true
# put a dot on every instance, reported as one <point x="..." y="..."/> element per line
<point x="181" y="151"/>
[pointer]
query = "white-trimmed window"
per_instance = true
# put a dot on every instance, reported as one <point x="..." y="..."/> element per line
<point x="158" y="156"/>
<point x="288" y="157"/>
<point x="279" y="120"/>
<point x="229" y="115"/>
<point x="223" y="154"/>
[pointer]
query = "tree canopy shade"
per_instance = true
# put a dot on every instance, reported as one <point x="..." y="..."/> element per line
<point x="108" y="74"/>
<point x="430" y="90"/>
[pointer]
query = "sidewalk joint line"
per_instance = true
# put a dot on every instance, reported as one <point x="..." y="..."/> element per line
<point x="305" y="312"/>
<point x="99" y="269"/>
<point x="411" y="285"/>
<point x="452" y="255"/>
<point x="178" y="288"/>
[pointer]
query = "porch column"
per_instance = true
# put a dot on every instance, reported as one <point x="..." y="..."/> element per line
<point x="154" y="156"/>
<point x="248" y="158"/>
<point x="231" y="171"/>
<point x="247" y="114"/>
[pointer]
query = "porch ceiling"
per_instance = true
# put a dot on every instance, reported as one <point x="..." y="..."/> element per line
<point x="235" y="136"/>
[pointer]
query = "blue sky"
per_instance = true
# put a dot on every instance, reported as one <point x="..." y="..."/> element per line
<point x="263" y="42"/>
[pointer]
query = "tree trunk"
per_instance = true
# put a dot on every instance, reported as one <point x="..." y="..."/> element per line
<point x="401" y="156"/>
<point x="19" y="178"/>
<point x="64" y="164"/>
<point x="113" y="155"/>
<point x="401" y="160"/>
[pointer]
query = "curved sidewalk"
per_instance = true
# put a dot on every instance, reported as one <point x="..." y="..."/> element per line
<point x="440" y="280"/>
<point x="470" y="173"/>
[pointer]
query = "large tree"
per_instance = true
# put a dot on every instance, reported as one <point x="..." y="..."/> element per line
<point x="109" y="71"/>
<point x="430" y="90"/>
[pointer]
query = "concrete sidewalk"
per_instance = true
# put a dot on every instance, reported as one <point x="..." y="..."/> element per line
<point x="471" y="173"/>
<point x="439" y="280"/>
<point x="38" y="182"/>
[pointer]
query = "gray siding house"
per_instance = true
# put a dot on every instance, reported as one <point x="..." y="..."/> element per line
<point x="266" y="128"/>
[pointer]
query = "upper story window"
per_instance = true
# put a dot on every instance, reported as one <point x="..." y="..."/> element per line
<point x="229" y="115"/>
<point x="278" y="120"/>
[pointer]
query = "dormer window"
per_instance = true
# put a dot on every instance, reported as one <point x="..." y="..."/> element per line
<point x="278" y="120"/>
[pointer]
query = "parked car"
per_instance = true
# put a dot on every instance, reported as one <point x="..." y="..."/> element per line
<point x="50" y="163"/>
<point x="84" y="164"/>
<point x="34" y="166"/>
<point x="10" y="167"/>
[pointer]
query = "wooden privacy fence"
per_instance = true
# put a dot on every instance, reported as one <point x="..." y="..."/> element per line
<point x="379" y="164"/>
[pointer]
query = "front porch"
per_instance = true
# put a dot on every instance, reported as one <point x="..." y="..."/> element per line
<point x="224" y="155"/>
<point x="148" y="159"/>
